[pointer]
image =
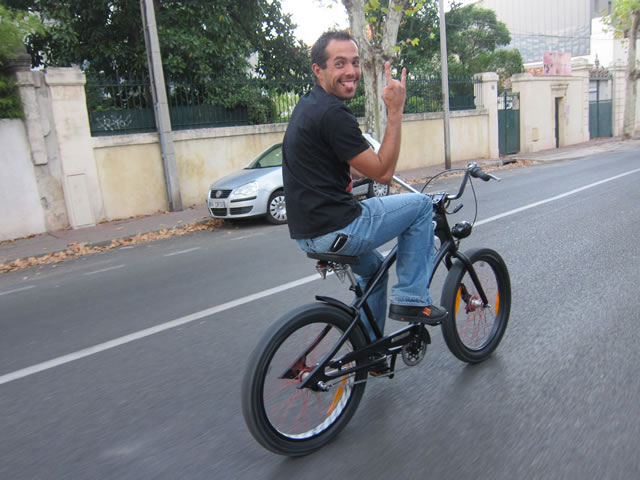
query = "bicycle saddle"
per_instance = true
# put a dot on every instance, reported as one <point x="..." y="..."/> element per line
<point x="332" y="257"/>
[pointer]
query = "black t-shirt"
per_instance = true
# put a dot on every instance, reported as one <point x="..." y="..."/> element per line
<point x="322" y="136"/>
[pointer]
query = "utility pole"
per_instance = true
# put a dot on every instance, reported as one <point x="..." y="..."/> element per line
<point x="445" y="87"/>
<point x="161" y="105"/>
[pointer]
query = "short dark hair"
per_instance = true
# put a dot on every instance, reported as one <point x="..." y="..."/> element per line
<point x="319" y="50"/>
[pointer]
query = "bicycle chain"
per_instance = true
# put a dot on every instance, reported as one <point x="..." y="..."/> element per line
<point x="338" y="380"/>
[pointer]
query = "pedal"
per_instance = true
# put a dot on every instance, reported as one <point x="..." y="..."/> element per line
<point x="414" y="351"/>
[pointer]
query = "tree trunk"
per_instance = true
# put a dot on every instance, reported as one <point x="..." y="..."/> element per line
<point x="373" y="56"/>
<point x="629" y="123"/>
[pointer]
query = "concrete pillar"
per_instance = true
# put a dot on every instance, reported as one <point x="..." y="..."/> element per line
<point x="486" y="93"/>
<point x="535" y="114"/>
<point x="71" y="122"/>
<point x="27" y="83"/>
<point x="582" y="68"/>
<point x="619" y="74"/>
<point x="42" y="150"/>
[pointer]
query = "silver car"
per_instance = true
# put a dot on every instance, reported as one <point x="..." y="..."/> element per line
<point x="257" y="189"/>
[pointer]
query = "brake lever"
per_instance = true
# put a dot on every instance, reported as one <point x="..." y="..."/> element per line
<point x="457" y="209"/>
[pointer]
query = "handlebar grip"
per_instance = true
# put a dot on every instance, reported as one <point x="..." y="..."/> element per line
<point x="477" y="172"/>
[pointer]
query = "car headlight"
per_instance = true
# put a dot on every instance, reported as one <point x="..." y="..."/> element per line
<point x="245" y="191"/>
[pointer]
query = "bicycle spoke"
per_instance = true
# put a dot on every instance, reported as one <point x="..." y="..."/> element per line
<point x="475" y="327"/>
<point x="301" y="413"/>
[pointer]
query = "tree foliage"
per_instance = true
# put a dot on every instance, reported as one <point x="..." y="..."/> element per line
<point x="407" y="32"/>
<point x="419" y="40"/>
<point x="208" y="43"/>
<point x="14" y="27"/>
<point x="474" y="40"/>
<point x="375" y="24"/>
<point x="196" y="36"/>
<point x="620" y="20"/>
<point x="625" y="21"/>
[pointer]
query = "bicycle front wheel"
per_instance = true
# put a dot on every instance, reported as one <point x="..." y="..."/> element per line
<point x="472" y="330"/>
<point x="283" y="418"/>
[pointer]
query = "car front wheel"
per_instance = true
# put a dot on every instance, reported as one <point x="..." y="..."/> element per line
<point x="377" y="190"/>
<point x="276" y="208"/>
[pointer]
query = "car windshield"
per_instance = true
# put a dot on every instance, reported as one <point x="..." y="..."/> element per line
<point x="270" y="158"/>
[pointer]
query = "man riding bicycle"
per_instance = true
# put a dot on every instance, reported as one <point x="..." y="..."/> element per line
<point x="322" y="144"/>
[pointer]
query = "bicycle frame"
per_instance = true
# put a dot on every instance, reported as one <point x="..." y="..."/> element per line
<point x="392" y="343"/>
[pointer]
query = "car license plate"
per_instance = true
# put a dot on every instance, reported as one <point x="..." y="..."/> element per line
<point x="216" y="203"/>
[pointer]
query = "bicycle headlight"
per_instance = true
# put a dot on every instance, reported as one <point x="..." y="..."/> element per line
<point x="461" y="229"/>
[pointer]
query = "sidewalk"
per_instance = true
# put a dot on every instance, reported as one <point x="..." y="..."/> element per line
<point x="116" y="232"/>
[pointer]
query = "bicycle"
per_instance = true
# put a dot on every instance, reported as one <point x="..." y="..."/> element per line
<point x="307" y="374"/>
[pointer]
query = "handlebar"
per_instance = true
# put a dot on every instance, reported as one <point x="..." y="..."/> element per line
<point x="472" y="170"/>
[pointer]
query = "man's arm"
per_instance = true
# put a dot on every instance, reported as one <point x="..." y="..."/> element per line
<point x="381" y="166"/>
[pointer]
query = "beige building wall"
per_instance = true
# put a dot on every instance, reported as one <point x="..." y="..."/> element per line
<point x="423" y="138"/>
<point x="131" y="172"/>
<point x="131" y="176"/>
<point x="540" y="98"/>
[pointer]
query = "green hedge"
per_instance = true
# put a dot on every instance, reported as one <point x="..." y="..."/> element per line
<point x="10" y="104"/>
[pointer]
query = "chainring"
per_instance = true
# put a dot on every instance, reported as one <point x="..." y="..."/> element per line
<point x="414" y="351"/>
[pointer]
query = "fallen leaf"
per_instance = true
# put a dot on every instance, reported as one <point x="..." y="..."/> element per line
<point x="75" y="250"/>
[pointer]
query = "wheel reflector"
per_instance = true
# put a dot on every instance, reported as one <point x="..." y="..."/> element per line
<point x="337" y="396"/>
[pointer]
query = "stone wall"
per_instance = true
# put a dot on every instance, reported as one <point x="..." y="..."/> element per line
<point x="21" y="212"/>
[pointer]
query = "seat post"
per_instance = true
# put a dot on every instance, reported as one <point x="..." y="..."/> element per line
<point x="351" y="276"/>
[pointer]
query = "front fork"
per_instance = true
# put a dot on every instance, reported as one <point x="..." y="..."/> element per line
<point x="448" y="249"/>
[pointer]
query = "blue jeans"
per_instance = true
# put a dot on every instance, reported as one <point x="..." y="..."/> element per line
<point x="409" y="218"/>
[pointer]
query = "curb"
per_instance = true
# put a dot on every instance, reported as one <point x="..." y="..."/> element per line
<point x="10" y="264"/>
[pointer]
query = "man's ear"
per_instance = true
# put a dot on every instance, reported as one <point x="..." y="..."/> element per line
<point x="316" y="70"/>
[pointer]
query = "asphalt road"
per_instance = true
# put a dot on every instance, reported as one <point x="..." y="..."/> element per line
<point x="127" y="364"/>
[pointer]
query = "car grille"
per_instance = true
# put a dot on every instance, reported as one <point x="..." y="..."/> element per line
<point x="218" y="212"/>
<point x="223" y="193"/>
<point x="240" y="210"/>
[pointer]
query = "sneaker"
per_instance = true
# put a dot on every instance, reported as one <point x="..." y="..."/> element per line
<point x="430" y="315"/>
<point x="381" y="368"/>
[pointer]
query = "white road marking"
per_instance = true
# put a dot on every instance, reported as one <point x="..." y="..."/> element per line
<point x="15" y="290"/>
<point x="102" y="270"/>
<point x="251" y="235"/>
<point x="25" y="372"/>
<point x="552" y="199"/>
<point x="180" y="252"/>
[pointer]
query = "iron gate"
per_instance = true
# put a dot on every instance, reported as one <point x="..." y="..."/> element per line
<point x="600" y="104"/>
<point x="509" y="123"/>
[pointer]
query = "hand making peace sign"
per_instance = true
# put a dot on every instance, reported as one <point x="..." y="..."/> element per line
<point x="394" y="93"/>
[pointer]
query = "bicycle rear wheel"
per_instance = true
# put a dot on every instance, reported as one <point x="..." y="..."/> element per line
<point x="283" y="418"/>
<point x="472" y="331"/>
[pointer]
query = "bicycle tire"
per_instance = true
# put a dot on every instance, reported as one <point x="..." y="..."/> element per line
<point x="470" y="331"/>
<point x="279" y="415"/>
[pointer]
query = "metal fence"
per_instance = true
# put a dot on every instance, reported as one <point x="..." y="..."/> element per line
<point x="119" y="105"/>
<point x="124" y="105"/>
